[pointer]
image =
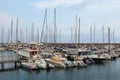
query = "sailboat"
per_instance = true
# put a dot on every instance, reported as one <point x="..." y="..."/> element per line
<point x="2" y="48"/>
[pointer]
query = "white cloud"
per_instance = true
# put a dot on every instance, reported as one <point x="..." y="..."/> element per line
<point x="105" y="5"/>
<point x="5" y="20"/>
<point x="55" y="3"/>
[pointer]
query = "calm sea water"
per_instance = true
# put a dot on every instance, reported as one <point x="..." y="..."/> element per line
<point x="110" y="70"/>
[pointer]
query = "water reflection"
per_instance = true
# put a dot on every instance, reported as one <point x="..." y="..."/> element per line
<point x="110" y="70"/>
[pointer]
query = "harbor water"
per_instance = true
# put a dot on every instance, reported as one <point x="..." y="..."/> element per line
<point x="109" y="70"/>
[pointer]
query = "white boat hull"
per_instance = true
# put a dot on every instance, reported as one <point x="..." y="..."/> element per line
<point x="56" y="63"/>
<point x="28" y="65"/>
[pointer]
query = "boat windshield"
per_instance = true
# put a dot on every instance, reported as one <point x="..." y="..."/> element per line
<point x="94" y="49"/>
<point x="85" y="53"/>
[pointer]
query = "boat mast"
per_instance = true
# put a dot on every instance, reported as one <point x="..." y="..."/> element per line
<point x="43" y="26"/>
<point x="17" y="34"/>
<point x="29" y="32"/>
<point x="71" y="35"/>
<point x="38" y="35"/>
<point x="2" y="36"/>
<point x="91" y="36"/>
<point x="11" y="30"/>
<point x="79" y="32"/>
<point x="109" y="39"/>
<point x="21" y="36"/>
<point x="17" y="31"/>
<point x="46" y="41"/>
<point x="103" y="35"/>
<point x="8" y="35"/>
<point x="94" y="34"/>
<point x="113" y="36"/>
<point x="54" y="26"/>
<point x="76" y="33"/>
<point x="50" y="35"/>
<point x="26" y="34"/>
<point x="32" y="32"/>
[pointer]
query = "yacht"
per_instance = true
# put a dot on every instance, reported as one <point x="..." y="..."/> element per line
<point x="31" y="58"/>
<point x="56" y="61"/>
<point x="87" y="54"/>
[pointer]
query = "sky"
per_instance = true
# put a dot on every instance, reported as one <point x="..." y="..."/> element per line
<point x="92" y="13"/>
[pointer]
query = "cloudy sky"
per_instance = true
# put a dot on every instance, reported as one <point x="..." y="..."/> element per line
<point x="99" y="12"/>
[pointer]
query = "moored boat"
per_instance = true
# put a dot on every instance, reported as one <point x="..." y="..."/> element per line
<point x="32" y="57"/>
<point x="97" y="58"/>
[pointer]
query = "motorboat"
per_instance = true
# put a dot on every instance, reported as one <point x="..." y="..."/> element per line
<point x="56" y="61"/>
<point x="87" y="54"/>
<point x="2" y="49"/>
<point x="102" y="53"/>
<point x="113" y="55"/>
<point x="32" y="57"/>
